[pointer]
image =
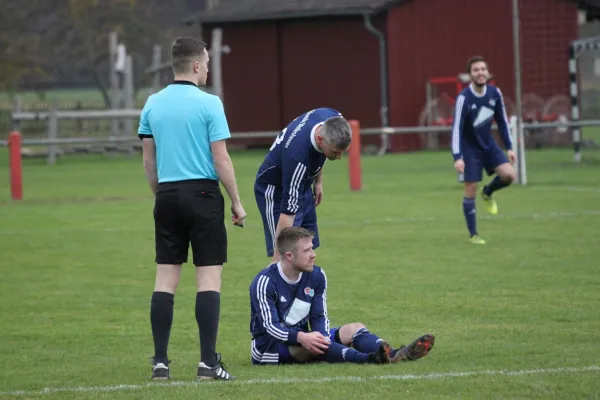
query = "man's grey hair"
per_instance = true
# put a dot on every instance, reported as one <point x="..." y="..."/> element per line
<point x="337" y="132"/>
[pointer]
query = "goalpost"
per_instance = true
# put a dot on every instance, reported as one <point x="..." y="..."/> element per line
<point x="577" y="48"/>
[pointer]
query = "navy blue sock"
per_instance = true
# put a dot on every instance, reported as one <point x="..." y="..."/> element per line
<point x="365" y="342"/>
<point x="494" y="185"/>
<point x="338" y="353"/>
<point x="470" y="215"/>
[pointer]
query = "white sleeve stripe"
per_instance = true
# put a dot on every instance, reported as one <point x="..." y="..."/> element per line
<point x="456" y="128"/>
<point x="504" y="116"/>
<point x="263" y="283"/>
<point x="265" y="310"/>
<point x="269" y="210"/>
<point x="327" y="327"/>
<point x="296" y="180"/>
<point x="297" y="177"/>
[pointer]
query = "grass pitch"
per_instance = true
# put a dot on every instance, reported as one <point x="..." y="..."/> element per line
<point x="76" y="258"/>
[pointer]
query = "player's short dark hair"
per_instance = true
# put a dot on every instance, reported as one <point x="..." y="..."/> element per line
<point x="337" y="131"/>
<point x="473" y="60"/>
<point x="184" y="51"/>
<point x="288" y="238"/>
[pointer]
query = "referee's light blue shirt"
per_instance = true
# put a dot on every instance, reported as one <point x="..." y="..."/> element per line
<point x="184" y="121"/>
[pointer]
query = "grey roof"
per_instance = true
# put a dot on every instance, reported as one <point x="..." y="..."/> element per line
<point x="252" y="10"/>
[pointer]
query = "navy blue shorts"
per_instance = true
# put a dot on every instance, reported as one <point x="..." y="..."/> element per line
<point x="268" y="200"/>
<point x="477" y="161"/>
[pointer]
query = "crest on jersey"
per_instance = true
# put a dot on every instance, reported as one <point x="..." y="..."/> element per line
<point x="492" y="102"/>
<point x="309" y="292"/>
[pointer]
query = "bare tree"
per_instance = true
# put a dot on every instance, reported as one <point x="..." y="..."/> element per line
<point x="19" y="46"/>
<point x="43" y="39"/>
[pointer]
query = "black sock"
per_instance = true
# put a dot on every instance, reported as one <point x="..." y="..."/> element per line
<point x="208" y="310"/>
<point x="161" y="319"/>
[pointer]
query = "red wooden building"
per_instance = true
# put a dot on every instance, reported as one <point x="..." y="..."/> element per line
<point x="289" y="56"/>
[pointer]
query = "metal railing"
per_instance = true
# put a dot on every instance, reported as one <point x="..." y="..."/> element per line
<point x="54" y="116"/>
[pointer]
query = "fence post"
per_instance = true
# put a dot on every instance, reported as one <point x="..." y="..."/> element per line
<point x="53" y="133"/>
<point x="354" y="157"/>
<point x="128" y="93"/>
<point x="16" y="170"/>
<point x="113" y="79"/>
<point x="514" y="133"/>
<point x="156" y="62"/>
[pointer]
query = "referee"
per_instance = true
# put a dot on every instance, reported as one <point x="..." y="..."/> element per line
<point x="183" y="131"/>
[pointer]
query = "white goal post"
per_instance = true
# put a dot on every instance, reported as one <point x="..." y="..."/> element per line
<point x="517" y="138"/>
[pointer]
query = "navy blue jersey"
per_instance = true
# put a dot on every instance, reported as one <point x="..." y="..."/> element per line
<point x="294" y="160"/>
<point x="281" y="308"/>
<point x="473" y="116"/>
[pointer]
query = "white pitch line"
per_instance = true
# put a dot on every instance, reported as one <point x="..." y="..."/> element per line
<point x="323" y="222"/>
<point x="409" y="377"/>
<point x="546" y="215"/>
<point x="589" y="189"/>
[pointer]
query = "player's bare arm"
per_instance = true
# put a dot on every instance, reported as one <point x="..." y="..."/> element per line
<point x="285" y="220"/>
<point x="459" y="166"/>
<point x="512" y="157"/>
<point x="225" y="171"/>
<point x="149" y="158"/>
<point x="318" y="189"/>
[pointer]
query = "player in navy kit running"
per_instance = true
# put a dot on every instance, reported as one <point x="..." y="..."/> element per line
<point x="474" y="147"/>
<point x="289" y="320"/>
<point x="294" y="163"/>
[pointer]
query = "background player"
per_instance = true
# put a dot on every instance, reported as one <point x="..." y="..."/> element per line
<point x="295" y="160"/>
<point x="289" y="296"/>
<point x="473" y="145"/>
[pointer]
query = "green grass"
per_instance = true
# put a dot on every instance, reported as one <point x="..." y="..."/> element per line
<point x="591" y="133"/>
<point x="76" y="260"/>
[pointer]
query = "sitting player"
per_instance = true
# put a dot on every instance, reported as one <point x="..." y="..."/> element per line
<point x="289" y="296"/>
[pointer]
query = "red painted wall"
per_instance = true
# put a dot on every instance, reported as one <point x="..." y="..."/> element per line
<point x="279" y="69"/>
<point x="251" y="76"/>
<point x="547" y="29"/>
<point x="433" y="38"/>
<point x="330" y="62"/>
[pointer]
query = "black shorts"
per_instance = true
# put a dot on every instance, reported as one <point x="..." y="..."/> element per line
<point x="190" y="212"/>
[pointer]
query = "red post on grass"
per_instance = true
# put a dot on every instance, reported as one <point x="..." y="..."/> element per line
<point x="16" y="169"/>
<point x="354" y="157"/>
